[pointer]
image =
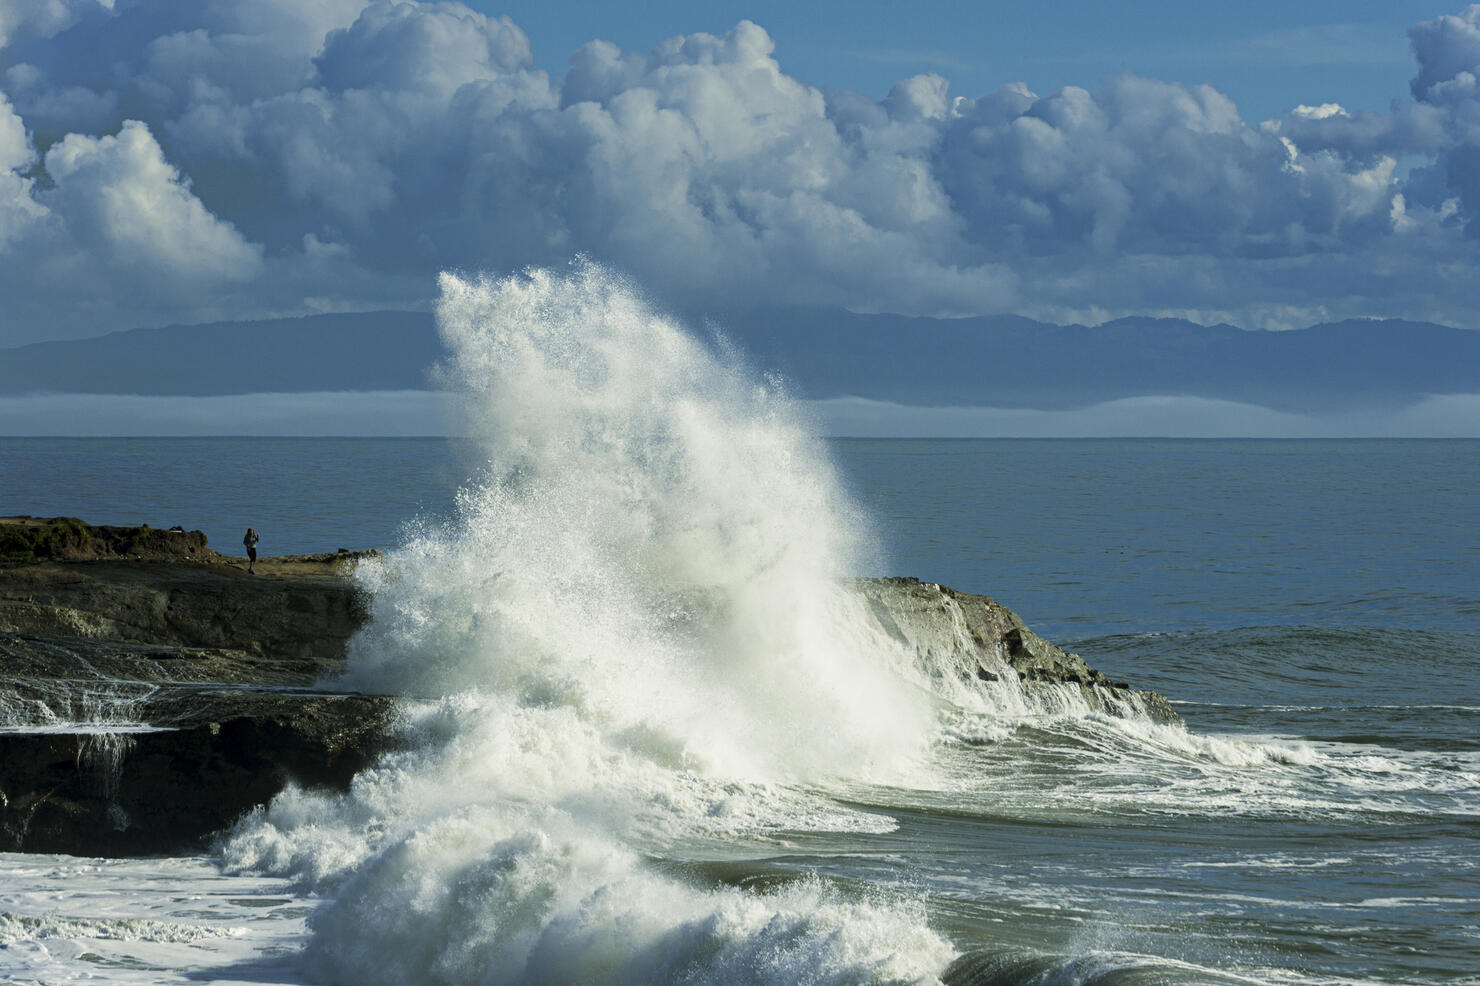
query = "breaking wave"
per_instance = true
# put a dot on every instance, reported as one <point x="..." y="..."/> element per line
<point x="632" y="643"/>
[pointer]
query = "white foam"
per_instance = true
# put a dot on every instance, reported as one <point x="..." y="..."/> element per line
<point x="654" y="542"/>
<point x="631" y="639"/>
<point x="65" y="919"/>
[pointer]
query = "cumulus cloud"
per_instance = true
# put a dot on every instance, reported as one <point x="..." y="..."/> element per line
<point x="1443" y="122"/>
<point x="113" y="220"/>
<point x="118" y="195"/>
<point x="19" y="18"/>
<point x="400" y="47"/>
<point x="255" y="157"/>
<point x="1448" y="53"/>
<point x="1140" y="165"/>
<point x="16" y="152"/>
<point x="18" y="209"/>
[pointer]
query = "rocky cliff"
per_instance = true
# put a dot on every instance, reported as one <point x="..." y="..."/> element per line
<point x="151" y="696"/>
<point x="153" y="691"/>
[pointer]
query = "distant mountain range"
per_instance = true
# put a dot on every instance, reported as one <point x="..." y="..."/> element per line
<point x="366" y="351"/>
<point x="1008" y="361"/>
<point x="1000" y="361"/>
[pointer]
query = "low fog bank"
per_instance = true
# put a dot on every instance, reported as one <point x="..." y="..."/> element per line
<point x="1446" y="416"/>
<point x="402" y="413"/>
<point x="373" y="413"/>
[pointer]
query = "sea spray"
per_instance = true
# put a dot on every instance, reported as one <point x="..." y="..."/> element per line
<point x="633" y="650"/>
<point x="630" y="639"/>
<point x="1315" y="828"/>
<point x="655" y="540"/>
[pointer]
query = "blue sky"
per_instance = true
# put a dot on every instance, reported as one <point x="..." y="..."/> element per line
<point x="1268" y="165"/>
<point x="1268" y="56"/>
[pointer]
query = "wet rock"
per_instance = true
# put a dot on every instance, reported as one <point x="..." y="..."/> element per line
<point x="116" y="748"/>
<point x="147" y="704"/>
<point x="980" y="640"/>
<point x="126" y="792"/>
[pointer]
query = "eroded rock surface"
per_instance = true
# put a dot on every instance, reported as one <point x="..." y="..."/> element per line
<point x="979" y="644"/>
<point x="130" y="790"/>
<point x="306" y="611"/>
<point x="148" y="702"/>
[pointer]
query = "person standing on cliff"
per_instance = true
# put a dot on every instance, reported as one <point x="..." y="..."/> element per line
<point x="251" y="542"/>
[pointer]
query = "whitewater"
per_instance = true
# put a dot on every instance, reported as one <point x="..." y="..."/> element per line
<point x="648" y="734"/>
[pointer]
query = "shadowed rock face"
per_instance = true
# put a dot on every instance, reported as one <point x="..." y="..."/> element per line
<point x="147" y="704"/>
<point x="128" y="792"/>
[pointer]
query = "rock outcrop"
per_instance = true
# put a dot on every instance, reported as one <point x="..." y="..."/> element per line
<point x="153" y="691"/>
<point x="150" y="697"/>
<point x="306" y="614"/>
<point x="972" y="644"/>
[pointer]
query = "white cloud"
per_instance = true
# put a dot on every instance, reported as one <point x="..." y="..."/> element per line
<point x="16" y="152"/>
<point x="1448" y="53"/>
<point x="43" y="18"/>
<point x="113" y="228"/>
<point x="190" y="145"/>
<point x="440" y="47"/>
<point x="122" y="200"/>
<point x="1325" y="111"/>
<point x="19" y="211"/>
<point x="1443" y="122"/>
<point x="1147" y="167"/>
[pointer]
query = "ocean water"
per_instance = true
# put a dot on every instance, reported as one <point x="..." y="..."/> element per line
<point x="649" y="741"/>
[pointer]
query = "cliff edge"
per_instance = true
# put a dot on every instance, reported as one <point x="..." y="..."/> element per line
<point x="153" y="691"/>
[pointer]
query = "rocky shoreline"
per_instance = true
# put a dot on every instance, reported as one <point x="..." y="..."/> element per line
<point x="153" y="691"/>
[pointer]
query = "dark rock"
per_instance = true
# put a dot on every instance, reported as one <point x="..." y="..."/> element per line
<point x="306" y="614"/>
<point x="123" y="793"/>
<point x="117" y="748"/>
<point x="147" y="704"/>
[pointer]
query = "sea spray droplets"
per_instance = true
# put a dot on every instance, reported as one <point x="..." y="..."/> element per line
<point x="630" y="639"/>
<point x="655" y="542"/>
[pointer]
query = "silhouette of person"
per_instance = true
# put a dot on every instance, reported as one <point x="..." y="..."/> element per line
<point x="251" y="542"/>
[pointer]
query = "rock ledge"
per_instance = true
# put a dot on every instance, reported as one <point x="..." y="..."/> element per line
<point x="154" y="691"/>
<point x="150" y="699"/>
